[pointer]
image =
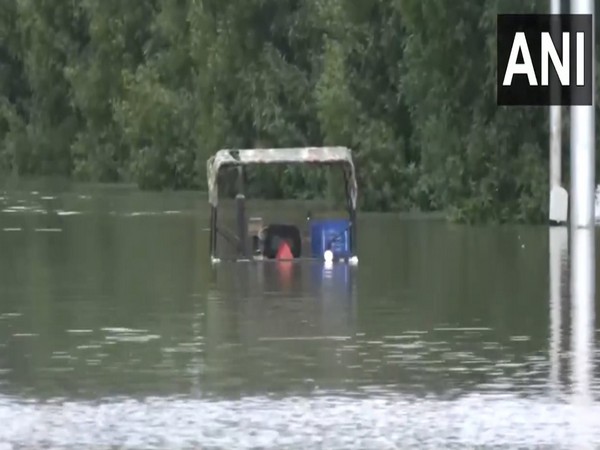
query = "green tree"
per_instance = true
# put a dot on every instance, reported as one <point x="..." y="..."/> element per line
<point x="146" y="91"/>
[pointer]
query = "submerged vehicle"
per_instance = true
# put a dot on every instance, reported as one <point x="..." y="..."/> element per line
<point x="331" y="239"/>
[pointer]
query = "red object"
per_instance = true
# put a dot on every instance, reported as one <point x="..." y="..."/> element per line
<point x="284" y="251"/>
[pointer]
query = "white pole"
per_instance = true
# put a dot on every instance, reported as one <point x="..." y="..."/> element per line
<point x="559" y="198"/>
<point x="555" y="119"/>
<point x="555" y="146"/>
<point x="583" y="246"/>
<point x="583" y="158"/>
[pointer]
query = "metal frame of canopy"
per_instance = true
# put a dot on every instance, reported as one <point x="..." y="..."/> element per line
<point x="240" y="158"/>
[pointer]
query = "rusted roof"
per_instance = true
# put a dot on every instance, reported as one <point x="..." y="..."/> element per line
<point x="300" y="155"/>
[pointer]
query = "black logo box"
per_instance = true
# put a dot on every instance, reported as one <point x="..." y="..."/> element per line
<point x="520" y="92"/>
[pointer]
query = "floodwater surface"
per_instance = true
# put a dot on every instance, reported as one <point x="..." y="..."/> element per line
<point x="116" y="332"/>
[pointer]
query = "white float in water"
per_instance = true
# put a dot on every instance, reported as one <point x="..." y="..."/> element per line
<point x="559" y="204"/>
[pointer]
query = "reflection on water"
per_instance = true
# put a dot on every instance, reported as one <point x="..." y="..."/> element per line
<point x="559" y="259"/>
<point x="116" y="332"/>
<point x="583" y="287"/>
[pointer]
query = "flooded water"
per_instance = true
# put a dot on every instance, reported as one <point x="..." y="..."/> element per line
<point x="116" y="332"/>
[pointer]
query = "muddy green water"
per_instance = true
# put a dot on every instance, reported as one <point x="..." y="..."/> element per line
<point x="116" y="332"/>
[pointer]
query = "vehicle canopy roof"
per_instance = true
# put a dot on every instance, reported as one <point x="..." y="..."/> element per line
<point x="299" y="155"/>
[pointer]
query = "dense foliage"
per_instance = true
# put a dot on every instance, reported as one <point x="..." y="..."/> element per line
<point x="110" y="90"/>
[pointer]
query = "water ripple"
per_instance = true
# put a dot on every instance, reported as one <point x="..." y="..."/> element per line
<point x="377" y="422"/>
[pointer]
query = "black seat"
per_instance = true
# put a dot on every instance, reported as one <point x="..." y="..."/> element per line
<point x="276" y="233"/>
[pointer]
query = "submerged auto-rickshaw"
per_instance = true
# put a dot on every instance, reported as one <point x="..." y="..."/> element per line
<point x="331" y="239"/>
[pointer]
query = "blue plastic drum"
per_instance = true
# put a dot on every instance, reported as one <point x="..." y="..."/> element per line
<point x="331" y="235"/>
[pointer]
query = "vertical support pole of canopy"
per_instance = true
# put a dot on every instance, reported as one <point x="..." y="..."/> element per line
<point x="213" y="232"/>
<point x="352" y="214"/>
<point x="242" y="222"/>
<point x="353" y="231"/>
